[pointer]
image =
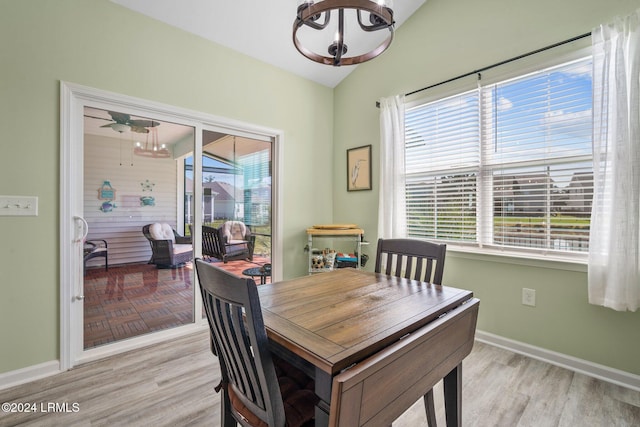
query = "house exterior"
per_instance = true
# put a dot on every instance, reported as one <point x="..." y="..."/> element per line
<point x="580" y="193"/>
<point x="219" y="201"/>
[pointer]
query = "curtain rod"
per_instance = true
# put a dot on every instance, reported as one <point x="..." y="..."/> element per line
<point x="497" y="64"/>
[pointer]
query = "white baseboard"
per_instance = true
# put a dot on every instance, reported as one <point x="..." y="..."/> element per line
<point x="601" y="372"/>
<point x="28" y="374"/>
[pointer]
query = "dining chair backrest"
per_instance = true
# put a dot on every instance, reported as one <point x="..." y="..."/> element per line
<point x="412" y="259"/>
<point x="379" y="389"/>
<point x="240" y="340"/>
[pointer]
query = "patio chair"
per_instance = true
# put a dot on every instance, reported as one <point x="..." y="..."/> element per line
<point x="413" y="259"/>
<point x="258" y="389"/>
<point x="94" y="249"/>
<point x="168" y="248"/>
<point x="232" y="240"/>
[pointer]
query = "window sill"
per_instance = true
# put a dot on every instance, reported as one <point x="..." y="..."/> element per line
<point x="576" y="262"/>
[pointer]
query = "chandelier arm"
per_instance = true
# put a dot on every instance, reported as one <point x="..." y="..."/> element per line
<point x="309" y="10"/>
<point x="353" y="60"/>
<point x="311" y="22"/>
<point x="374" y="27"/>
<point x="369" y="55"/>
<point x="340" y="41"/>
<point x="309" y="53"/>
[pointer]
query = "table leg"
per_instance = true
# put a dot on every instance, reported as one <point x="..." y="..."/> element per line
<point x="453" y="397"/>
<point x="323" y="391"/>
<point x="323" y="381"/>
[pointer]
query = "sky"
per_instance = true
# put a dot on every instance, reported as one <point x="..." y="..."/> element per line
<point x="530" y="118"/>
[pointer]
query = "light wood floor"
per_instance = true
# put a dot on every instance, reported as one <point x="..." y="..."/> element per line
<point x="171" y="384"/>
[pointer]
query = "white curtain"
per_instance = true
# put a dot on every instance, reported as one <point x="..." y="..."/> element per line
<point x="614" y="243"/>
<point x="391" y="205"/>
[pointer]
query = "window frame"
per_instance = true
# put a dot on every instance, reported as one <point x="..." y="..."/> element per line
<point x="480" y="248"/>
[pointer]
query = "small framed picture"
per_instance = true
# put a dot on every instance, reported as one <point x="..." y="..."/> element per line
<point x="359" y="168"/>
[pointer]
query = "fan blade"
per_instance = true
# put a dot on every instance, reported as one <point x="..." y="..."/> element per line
<point x="119" y="117"/>
<point x="97" y="118"/>
<point x="138" y="129"/>
<point x="106" y="126"/>
<point x="144" y="123"/>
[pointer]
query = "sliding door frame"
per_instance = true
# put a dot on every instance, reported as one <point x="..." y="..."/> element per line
<point x="73" y="99"/>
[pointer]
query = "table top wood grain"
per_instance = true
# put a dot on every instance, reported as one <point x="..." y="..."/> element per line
<point x="338" y="318"/>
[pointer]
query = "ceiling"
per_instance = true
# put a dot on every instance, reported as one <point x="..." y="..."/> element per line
<point x="216" y="144"/>
<point x="262" y="29"/>
<point x="167" y="132"/>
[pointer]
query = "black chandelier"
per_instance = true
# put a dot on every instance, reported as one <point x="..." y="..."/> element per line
<point x="317" y="15"/>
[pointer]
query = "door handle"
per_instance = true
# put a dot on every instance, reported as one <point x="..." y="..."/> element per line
<point x="85" y="231"/>
<point x="85" y="228"/>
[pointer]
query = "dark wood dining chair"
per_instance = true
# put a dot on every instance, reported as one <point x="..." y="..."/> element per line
<point x="412" y="259"/>
<point x="258" y="389"/>
<point x="418" y="260"/>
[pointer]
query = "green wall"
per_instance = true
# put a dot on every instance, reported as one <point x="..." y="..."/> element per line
<point x="100" y="44"/>
<point x="447" y="38"/>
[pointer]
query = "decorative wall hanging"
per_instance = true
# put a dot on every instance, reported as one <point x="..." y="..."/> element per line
<point x="359" y="168"/>
<point x="107" y="206"/>
<point x="147" y="200"/>
<point x="106" y="192"/>
<point x="147" y="185"/>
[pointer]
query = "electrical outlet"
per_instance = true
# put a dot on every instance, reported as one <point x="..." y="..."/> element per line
<point x="529" y="297"/>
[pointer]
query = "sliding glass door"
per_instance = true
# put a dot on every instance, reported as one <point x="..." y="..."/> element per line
<point x="129" y="163"/>
<point x="236" y="186"/>
<point x="133" y="190"/>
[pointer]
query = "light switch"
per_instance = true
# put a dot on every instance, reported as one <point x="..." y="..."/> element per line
<point x="18" y="206"/>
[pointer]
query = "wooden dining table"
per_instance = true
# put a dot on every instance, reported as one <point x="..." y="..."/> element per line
<point x="328" y="322"/>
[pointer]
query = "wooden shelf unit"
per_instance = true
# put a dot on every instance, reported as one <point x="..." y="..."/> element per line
<point x="353" y="234"/>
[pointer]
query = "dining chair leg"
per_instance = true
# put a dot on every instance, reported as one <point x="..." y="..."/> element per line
<point x="227" y="418"/>
<point x="429" y="408"/>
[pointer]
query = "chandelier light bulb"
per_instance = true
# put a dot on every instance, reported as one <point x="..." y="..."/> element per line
<point x="152" y="148"/>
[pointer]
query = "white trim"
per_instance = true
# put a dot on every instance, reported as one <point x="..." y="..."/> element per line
<point x="601" y="372"/>
<point x="28" y="374"/>
<point x="277" y="220"/>
<point x="517" y="258"/>
<point x="73" y="98"/>
<point x="101" y="352"/>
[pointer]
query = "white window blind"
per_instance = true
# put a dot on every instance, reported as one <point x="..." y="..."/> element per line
<point x="442" y="161"/>
<point x="507" y="165"/>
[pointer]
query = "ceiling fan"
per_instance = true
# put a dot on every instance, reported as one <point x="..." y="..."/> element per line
<point x="122" y="123"/>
